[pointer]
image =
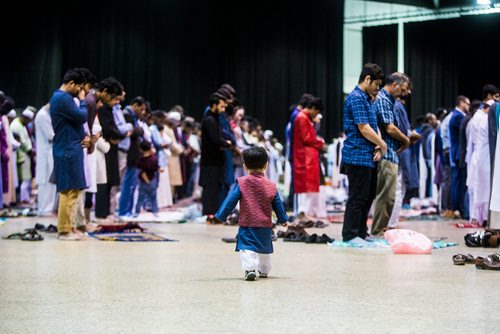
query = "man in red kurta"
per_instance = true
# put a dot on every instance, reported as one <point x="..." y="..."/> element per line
<point x="306" y="147"/>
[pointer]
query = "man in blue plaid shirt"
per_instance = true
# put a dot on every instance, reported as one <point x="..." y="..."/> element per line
<point x="396" y="85"/>
<point x="362" y="150"/>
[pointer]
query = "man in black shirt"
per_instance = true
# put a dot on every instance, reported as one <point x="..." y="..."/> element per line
<point x="212" y="158"/>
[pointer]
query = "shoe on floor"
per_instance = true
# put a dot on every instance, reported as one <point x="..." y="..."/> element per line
<point x="262" y="275"/>
<point x="250" y="275"/>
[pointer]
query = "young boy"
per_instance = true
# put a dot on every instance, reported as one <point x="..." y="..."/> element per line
<point x="148" y="178"/>
<point x="258" y="196"/>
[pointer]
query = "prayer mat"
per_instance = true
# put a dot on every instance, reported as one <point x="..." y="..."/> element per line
<point x="339" y="219"/>
<point x="130" y="237"/>
<point x="336" y="219"/>
<point x="424" y="217"/>
<point x="467" y="225"/>
<point x="382" y="243"/>
<point x="175" y="216"/>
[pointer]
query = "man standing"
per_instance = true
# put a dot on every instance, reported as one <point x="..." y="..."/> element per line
<point x="406" y="174"/>
<point x="44" y="162"/>
<point x="212" y="177"/>
<point x="69" y="138"/>
<point x="458" y="174"/>
<point x="444" y="135"/>
<point x="133" y="113"/>
<point x="428" y="134"/>
<point x="362" y="149"/>
<point x="18" y="128"/>
<point x="396" y="85"/>
<point x="306" y="147"/>
<point x="289" y="141"/>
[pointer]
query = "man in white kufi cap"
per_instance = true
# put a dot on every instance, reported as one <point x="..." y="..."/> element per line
<point x="18" y="128"/>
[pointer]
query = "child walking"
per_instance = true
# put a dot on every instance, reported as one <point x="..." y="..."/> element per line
<point x="148" y="179"/>
<point x="258" y="196"/>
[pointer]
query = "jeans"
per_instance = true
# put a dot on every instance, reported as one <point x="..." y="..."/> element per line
<point x="129" y="183"/>
<point x="147" y="192"/>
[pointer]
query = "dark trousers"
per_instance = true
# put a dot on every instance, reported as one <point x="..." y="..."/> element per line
<point x="428" y="180"/>
<point x="362" y="191"/>
<point x="458" y="188"/>
<point x="445" y="187"/>
<point x="214" y="188"/>
<point x="102" y="200"/>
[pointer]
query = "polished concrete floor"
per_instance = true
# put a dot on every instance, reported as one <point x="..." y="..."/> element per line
<point x="196" y="286"/>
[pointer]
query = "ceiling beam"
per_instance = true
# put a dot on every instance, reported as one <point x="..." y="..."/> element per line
<point x="417" y="3"/>
<point x="433" y="4"/>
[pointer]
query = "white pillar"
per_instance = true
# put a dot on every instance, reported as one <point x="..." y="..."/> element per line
<point x="401" y="47"/>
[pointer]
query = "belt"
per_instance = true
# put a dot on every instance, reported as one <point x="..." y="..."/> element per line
<point x="122" y="150"/>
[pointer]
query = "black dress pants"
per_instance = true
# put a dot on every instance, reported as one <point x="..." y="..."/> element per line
<point x="362" y="191"/>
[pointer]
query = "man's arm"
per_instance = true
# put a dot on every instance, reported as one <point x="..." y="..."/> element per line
<point x="395" y="133"/>
<point x="367" y="132"/>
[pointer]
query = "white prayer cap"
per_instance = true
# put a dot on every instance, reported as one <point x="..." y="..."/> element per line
<point x="268" y="134"/>
<point x="174" y="115"/>
<point x="12" y="114"/>
<point x="29" y="112"/>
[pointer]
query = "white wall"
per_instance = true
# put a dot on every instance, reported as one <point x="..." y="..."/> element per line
<point x="353" y="34"/>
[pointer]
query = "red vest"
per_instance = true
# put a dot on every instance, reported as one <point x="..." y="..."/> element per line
<point x="257" y="195"/>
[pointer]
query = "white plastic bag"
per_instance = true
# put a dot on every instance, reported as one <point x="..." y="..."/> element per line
<point x="408" y="242"/>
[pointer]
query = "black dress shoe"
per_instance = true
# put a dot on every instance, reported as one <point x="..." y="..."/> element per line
<point x="326" y="239"/>
<point x="312" y="239"/>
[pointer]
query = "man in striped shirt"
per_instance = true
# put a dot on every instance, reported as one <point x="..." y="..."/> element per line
<point x="362" y="150"/>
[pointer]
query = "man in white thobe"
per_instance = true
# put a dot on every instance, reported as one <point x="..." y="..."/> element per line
<point x="44" y="134"/>
<point x="480" y="171"/>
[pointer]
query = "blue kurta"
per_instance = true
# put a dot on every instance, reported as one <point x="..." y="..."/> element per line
<point x="256" y="239"/>
<point x="67" y="121"/>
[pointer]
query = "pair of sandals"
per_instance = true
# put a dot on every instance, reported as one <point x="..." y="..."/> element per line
<point x="29" y="235"/>
<point x="461" y="259"/>
<point x="491" y="262"/>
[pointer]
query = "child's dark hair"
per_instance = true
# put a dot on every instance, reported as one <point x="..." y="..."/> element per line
<point x="255" y="158"/>
<point x="145" y="146"/>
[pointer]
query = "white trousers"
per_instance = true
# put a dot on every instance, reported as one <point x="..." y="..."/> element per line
<point x="398" y="202"/>
<point x="24" y="192"/>
<point x="311" y="205"/>
<point x="46" y="199"/>
<point x="255" y="261"/>
<point x="164" y="193"/>
<point x="472" y="212"/>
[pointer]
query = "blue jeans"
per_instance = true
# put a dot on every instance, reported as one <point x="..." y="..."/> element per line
<point x="129" y="183"/>
<point x="147" y="193"/>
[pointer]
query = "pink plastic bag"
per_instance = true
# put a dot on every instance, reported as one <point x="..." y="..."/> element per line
<point x="408" y="242"/>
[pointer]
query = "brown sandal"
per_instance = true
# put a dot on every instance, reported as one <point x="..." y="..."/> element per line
<point x="460" y="259"/>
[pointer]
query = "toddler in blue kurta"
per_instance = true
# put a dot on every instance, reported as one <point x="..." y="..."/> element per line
<point x="258" y="197"/>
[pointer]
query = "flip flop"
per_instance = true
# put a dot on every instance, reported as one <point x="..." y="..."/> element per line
<point x="32" y="236"/>
<point x="13" y="236"/>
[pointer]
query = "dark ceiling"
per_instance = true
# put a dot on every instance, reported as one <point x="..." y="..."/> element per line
<point x="432" y="3"/>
